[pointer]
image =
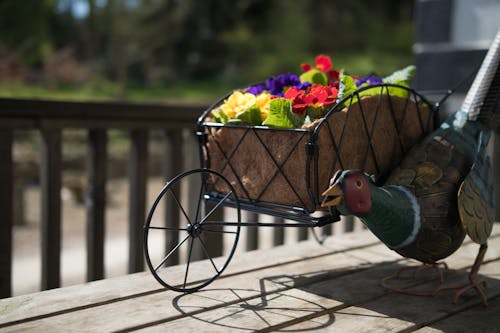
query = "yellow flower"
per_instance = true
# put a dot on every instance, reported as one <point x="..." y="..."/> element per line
<point x="263" y="101"/>
<point x="236" y="103"/>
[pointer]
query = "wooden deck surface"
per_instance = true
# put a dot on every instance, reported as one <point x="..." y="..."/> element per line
<point x="292" y="288"/>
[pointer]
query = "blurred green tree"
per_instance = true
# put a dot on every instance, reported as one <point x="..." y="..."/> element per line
<point x="158" y="42"/>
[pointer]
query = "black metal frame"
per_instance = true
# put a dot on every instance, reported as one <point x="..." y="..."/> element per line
<point x="303" y="214"/>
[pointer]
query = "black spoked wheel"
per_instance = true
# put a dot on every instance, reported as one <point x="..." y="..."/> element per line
<point x="191" y="243"/>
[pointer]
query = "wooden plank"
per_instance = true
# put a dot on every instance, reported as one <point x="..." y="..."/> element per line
<point x="94" y="294"/>
<point x="96" y="203"/>
<point x="415" y="311"/>
<point x="309" y="296"/>
<point x="92" y="112"/>
<point x="45" y="114"/>
<point x="113" y="122"/>
<point x="137" y="198"/>
<point x="6" y="207"/>
<point x="103" y="303"/>
<point x="148" y="309"/>
<point x="50" y="177"/>
<point x="173" y="166"/>
<point x="384" y="315"/>
<point x="476" y="319"/>
<point x="326" y="305"/>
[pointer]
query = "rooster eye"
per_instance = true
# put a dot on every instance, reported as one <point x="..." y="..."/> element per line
<point x="359" y="184"/>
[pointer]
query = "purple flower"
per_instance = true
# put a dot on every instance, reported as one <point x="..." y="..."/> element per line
<point x="304" y="85"/>
<point x="256" y="89"/>
<point x="276" y="84"/>
<point x="369" y="80"/>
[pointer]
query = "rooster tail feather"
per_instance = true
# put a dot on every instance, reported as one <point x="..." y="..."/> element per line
<point x="482" y="102"/>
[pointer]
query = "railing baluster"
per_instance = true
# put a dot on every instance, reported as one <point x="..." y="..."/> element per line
<point x="50" y="177"/>
<point x="496" y="173"/>
<point x="279" y="232"/>
<point x="6" y="207"/>
<point x="252" y="232"/>
<point x="302" y="234"/>
<point x="215" y="240"/>
<point x="349" y="224"/>
<point x="173" y="166"/>
<point x="137" y="201"/>
<point x="96" y="203"/>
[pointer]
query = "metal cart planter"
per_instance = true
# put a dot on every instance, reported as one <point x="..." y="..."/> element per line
<point x="279" y="172"/>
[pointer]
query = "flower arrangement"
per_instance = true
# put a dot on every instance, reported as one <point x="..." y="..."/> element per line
<point x="291" y="101"/>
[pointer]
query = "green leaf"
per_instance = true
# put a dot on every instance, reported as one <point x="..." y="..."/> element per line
<point x="315" y="112"/>
<point x="373" y="91"/>
<point x="251" y="116"/>
<point x="234" y="122"/>
<point x="400" y="92"/>
<point x="219" y="116"/>
<point x="314" y="76"/>
<point x="401" y="77"/>
<point x="347" y="86"/>
<point x="281" y="115"/>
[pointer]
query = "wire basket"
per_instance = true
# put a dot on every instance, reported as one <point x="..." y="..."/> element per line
<point x="286" y="170"/>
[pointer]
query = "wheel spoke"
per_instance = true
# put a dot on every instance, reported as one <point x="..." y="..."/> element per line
<point x="208" y="255"/>
<point x="168" y="228"/>
<point x="180" y="206"/>
<point x="221" y="223"/>
<point x="216" y="206"/>
<point x="200" y="198"/>
<point x="188" y="262"/>
<point x="170" y="253"/>
<point x="220" y="231"/>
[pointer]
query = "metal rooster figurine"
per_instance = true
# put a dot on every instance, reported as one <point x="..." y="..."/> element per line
<point x="441" y="190"/>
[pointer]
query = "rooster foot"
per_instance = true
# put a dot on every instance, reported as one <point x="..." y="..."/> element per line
<point x="474" y="284"/>
<point x="439" y="267"/>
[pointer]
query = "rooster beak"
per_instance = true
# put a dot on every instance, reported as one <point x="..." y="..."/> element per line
<point x="332" y="196"/>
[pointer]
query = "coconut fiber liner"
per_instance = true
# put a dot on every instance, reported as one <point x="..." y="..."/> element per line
<point x="271" y="165"/>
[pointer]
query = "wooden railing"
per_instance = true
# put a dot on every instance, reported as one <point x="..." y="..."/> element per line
<point x="50" y="118"/>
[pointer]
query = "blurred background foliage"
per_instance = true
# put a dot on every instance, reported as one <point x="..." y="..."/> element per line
<point x="154" y="50"/>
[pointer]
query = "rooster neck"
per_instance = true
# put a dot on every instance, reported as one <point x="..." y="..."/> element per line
<point x="394" y="217"/>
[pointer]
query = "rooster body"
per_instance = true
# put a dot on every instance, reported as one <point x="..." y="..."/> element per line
<point x="431" y="174"/>
<point x="442" y="189"/>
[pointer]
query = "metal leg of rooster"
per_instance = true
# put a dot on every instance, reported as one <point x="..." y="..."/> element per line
<point x="474" y="283"/>
<point x="416" y="269"/>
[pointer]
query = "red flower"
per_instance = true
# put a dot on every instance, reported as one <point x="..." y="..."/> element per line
<point x="325" y="65"/>
<point x="315" y="96"/>
<point x="296" y="97"/>
<point x="305" y="67"/>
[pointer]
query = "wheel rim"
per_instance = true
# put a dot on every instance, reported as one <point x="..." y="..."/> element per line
<point x="188" y="232"/>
